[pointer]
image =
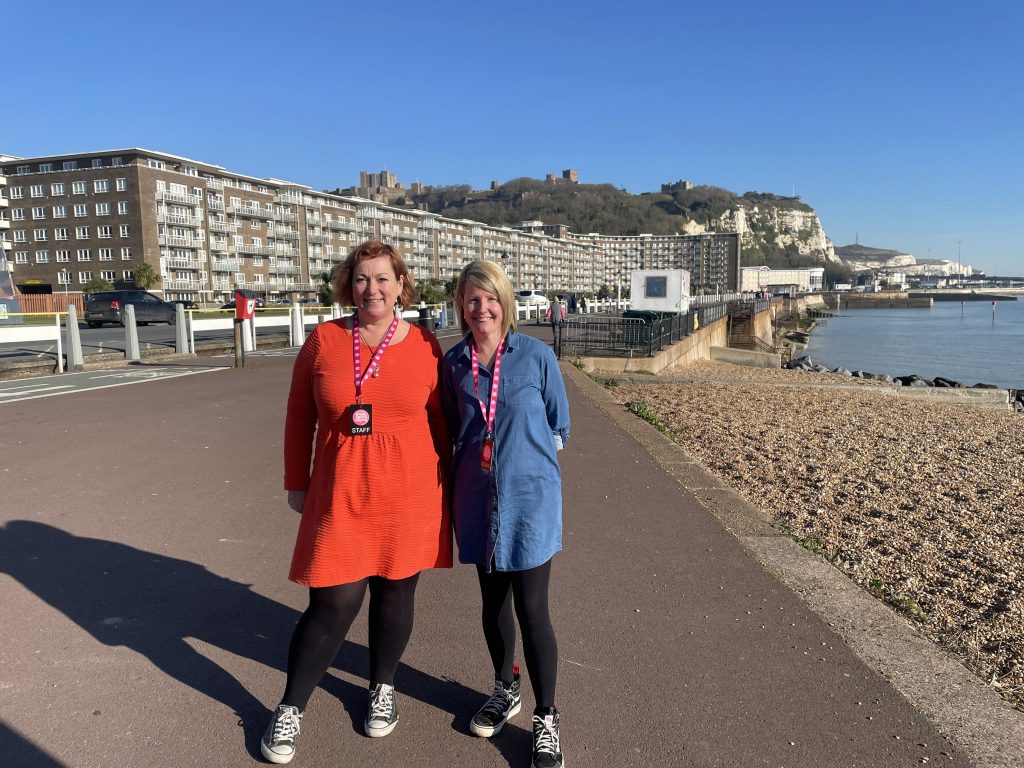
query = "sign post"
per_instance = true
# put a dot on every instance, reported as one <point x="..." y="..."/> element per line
<point x="245" y="309"/>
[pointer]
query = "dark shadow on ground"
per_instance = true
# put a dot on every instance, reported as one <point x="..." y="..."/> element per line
<point x="151" y="603"/>
<point x="17" y="750"/>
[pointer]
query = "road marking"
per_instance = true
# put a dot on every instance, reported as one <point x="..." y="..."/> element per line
<point x="19" y="393"/>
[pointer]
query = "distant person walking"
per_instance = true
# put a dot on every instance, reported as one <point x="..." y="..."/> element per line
<point x="508" y="414"/>
<point x="365" y="394"/>
<point x="555" y="315"/>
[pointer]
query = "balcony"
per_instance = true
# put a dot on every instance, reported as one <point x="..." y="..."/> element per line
<point x="289" y="198"/>
<point x="303" y="287"/>
<point x="318" y="239"/>
<point x="222" y="247"/>
<point x="178" y="197"/>
<point x="182" y="285"/>
<point x="222" y="265"/>
<point x="336" y="225"/>
<point x="284" y="249"/>
<point x="286" y="216"/>
<point x="224" y="226"/>
<point x="175" y="263"/>
<point x="256" y="250"/>
<point x="283" y="234"/>
<point x="214" y="184"/>
<point x="221" y="285"/>
<point x="214" y="205"/>
<point x="180" y="242"/>
<point x="178" y="219"/>
<point x="284" y="269"/>
<point x="251" y="212"/>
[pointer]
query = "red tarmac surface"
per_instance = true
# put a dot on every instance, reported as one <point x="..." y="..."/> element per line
<point x="144" y="546"/>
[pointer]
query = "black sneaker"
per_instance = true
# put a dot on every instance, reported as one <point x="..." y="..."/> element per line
<point x="278" y="742"/>
<point x="547" y="747"/>
<point x="503" y="704"/>
<point x="382" y="716"/>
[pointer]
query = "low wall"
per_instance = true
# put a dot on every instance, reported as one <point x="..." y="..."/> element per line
<point x="696" y="346"/>
<point x="748" y="357"/>
<point x="763" y="327"/>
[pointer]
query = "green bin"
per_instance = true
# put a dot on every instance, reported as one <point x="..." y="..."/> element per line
<point x="640" y="333"/>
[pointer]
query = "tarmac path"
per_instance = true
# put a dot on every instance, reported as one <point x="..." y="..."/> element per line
<point x="144" y="546"/>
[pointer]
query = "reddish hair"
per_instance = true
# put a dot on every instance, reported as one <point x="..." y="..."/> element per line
<point x="372" y="249"/>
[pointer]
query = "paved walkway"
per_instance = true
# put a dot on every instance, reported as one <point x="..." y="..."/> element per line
<point x="143" y="552"/>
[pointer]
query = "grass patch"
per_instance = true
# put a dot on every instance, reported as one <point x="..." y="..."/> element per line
<point x="645" y="412"/>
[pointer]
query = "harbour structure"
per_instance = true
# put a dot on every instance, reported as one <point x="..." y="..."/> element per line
<point x="206" y="230"/>
<point x="805" y="280"/>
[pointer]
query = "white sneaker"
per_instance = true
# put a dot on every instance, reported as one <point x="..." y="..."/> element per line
<point x="503" y="704"/>
<point x="382" y="716"/>
<point x="278" y="742"/>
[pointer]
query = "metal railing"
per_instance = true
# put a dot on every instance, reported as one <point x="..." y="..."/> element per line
<point x="611" y="336"/>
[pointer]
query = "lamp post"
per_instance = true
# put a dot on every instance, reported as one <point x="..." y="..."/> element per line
<point x="958" y="280"/>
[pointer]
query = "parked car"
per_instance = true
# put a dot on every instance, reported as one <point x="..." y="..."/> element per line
<point x="187" y="303"/>
<point x="535" y="298"/>
<point x="260" y="303"/>
<point x="109" y="307"/>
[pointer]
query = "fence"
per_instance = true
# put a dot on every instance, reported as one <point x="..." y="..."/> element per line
<point x="50" y="302"/>
<point x="631" y="337"/>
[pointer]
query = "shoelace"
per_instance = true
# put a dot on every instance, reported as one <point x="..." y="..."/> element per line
<point x="498" y="702"/>
<point x="545" y="737"/>
<point x="383" y="703"/>
<point x="286" y="726"/>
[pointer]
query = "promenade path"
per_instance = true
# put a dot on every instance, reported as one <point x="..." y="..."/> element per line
<point x="144" y="546"/>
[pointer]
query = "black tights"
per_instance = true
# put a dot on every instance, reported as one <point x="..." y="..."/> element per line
<point x="322" y="629"/>
<point x="528" y="590"/>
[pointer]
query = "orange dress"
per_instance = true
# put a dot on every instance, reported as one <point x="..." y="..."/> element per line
<point x="375" y="504"/>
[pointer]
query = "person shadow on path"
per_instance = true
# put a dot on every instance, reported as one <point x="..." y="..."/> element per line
<point x="152" y="604"/>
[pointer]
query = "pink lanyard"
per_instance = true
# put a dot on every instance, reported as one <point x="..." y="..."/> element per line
<point x="488" y="414"/>
<point x="375" y="360"/>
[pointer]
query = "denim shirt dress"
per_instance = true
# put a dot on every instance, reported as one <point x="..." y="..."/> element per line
<point x="509" y="518"/>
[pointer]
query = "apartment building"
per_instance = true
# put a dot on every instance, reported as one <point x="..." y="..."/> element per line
<point x="5" y="221"/>
<point x="206" y="231"/>
<point x="806" y="280"/>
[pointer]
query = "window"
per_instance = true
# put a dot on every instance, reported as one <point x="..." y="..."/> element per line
<point x="239" y="277"/>
<point x="60" y="233"/>
<point x="69" y="165"/>
<point x="126" y="254"/>
<point x="57" y="189"/>
<point x="23" y="169"/>
<point x="63" y="255"/>
<point x="39" y="213"/>
<point x="158" y="164"/>
<point x="42" y="257"/>
<point x="124" y="230"/>
<point x="63" y="277"/>
<point x="257" y="278"/>
<point x="97" y="162"/>
<point x="108" y="274"/>
<point x="81" y="210"/>
<point x="17" y="214"/>
<point x="84" y="277"/>
<point x="122" y="207"/>
<point x="106" y="254"/>
<point x="104" y="232"/>
<point x="257" y="261"/>
<point x="39" y="235"/>
<point x="37" y="190"/>
<point x="60" y="211"/>
<point x="121" y="185"/>
<point x="84" y="254"/>
<point x="255" y="224"/>
<point x="128" y="276"/>
<point x="116" y="161"/>
<point x="102" y="209"/>
<point x="21" y="257"/>
<point x="82" y="233"/>
<point x="15" y="193"/>
<point x="20" y="236"/>
<point x="78" y="187"/>
<point x="45" y="167"/>
<point x="101" y="185"/>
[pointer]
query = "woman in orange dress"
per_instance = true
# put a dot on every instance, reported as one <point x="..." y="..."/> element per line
<point x="365" y="396"/>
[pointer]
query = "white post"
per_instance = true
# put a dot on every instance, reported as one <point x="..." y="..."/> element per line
<point x="60" y="346"/>
<point x="191" y="334"/>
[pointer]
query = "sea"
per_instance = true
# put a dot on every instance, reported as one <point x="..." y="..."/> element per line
<point x="967" y="342"/>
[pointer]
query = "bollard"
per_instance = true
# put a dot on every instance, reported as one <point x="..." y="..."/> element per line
<point x="180" y="339"/>
<point x="239" y="350"/>
<point x="60" y="348"/>
<point x="74" y="340"/>
<point x="298" y="326"/>
<point x="131" y="334"/>
<point x="247" y="335"/>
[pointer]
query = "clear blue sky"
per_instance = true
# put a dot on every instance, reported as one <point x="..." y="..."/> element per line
<point x="901" y="122"/>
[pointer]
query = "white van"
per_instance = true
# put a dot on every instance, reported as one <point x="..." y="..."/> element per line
<point x="535" y="298"/>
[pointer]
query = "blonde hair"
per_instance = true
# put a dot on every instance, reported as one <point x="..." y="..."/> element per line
<point x="488" y="276"/>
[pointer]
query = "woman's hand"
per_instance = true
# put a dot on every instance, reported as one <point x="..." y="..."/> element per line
<point x="296" y="500"/>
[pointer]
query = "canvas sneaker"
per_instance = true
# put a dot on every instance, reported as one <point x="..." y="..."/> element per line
<point x="503" y="704"/>
<point x="547" y="747"/>
<point x="382" y="716"/>
<point x="278" y="742"/>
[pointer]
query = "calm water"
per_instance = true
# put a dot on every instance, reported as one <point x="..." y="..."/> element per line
<point x="970" y="348"/>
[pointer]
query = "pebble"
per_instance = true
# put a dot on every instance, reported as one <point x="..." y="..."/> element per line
<point x="854" y="472"/>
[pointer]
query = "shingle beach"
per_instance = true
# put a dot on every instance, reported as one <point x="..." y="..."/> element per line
<point x="921" y="503"/>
